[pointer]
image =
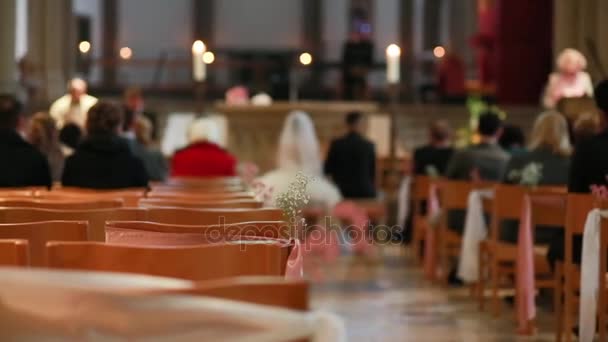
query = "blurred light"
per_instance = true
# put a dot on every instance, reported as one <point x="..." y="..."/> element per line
<point x="208" y="57"/>
<point x="198" y="47"/>
<point x="126" y="53"/>
<point x="393" y="50"/>
<point x="306" y="58"/>
<point x="439" y="51"/>
<point x="84" y="46"/>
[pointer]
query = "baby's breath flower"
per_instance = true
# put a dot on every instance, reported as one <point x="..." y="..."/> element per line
<point x="294" y="199"/>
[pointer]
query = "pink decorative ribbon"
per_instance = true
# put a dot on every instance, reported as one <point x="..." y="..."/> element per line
<point x="430" y="243"/>
<point x="358" y="218"/>
<point x="526" y="307"/>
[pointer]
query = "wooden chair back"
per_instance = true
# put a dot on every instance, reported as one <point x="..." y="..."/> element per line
<point x="203" y="182"/>
<point x="200" y="195"/>
<point x="183" y="216"/>
<point x="20" y="192"/>
<point x="269" y="229"/>
<point x="37" y="234"/>
<point x="14" y="252"/>
<point x="71" y="203"/>
<point x="130" y="197"/>
<point x="548" y="208"/>
<point x="196" y="204"/>
<point x="273" y="291"/>
<point x="192" y="263"/>
<point x="96" y="218"/>
<point x="453" y="194"/>
<point x="506" y="205"/>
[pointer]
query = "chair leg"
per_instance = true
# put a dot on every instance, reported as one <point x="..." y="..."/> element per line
<point x="567" y="312"/>
<point x="557" y="303"/>
<point x="481" y="296"/>
<point x="495" y="273"/>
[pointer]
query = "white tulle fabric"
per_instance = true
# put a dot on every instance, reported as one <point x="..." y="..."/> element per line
<point x="475" y="231"/>
<point x="91" y="306"/>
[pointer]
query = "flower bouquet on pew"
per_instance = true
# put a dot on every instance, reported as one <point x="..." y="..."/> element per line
<point x="292" y="201"/>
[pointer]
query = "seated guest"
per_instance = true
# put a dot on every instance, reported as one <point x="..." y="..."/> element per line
<point x="549" y="147"/>
<point x="586" y="126"/>
<point x="351" y="161"/>
<point x="512" y="140"/>
<point x="70" y="137"/>
<point x="135" y="105"/>
<point x="153" y="159"/>
<point x="44" y="136"/>
<point x="203" y="157"/>
<point x="486" y="160"/>
<point x="299" y="152"/>
<point x="589" y="166"/>
<point x="435" y="156"/>
<point x="74" y="106"/>
<point x="23" y="165"/>
<point x="570" y="80"/>
<point x="104" y="160"/>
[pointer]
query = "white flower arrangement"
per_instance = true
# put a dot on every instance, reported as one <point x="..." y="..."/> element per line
<point x="530" y="175"/>
<point x="294" y="199"/>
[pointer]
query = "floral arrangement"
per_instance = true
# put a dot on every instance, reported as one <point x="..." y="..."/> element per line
<point x="294" y="199"/>
<point x="530" y="175"/>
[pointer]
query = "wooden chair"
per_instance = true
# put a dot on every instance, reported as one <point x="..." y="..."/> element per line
<point x="200" y="196"/>
<point x="419" y="198"/>
<point x="20" y="192"/>
<point x="57" y="203"/>
<point x="202" y="182"/>
<point x="269" y="229"/>
<point x="213" y="189"/>
<point x="273" y="291"/>
<point x="182" y="216"/>
<point x="196" y="204"/>
<point x="130" y="197"/>
<point x="192" y="263"/>
<point x="453" y="196"/>
<point x="577" y="208"/>
<point x="37" y="234"/>
<point x="14" y="252"/>
<point x="96" y="218"/>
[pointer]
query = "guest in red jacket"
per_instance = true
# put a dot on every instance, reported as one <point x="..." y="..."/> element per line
<point x="203" y="157"/>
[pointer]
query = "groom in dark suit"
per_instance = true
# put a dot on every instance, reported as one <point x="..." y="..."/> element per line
<point x="351" y="161"/>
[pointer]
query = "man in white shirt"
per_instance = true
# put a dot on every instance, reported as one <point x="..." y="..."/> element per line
<point x="73" y="107"/>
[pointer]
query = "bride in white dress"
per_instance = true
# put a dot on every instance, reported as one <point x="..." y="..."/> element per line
<point x="299" y="152"/>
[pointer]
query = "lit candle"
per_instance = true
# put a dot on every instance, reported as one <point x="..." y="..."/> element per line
<point x="393" y="61"/>
<point x="199" y="69"/>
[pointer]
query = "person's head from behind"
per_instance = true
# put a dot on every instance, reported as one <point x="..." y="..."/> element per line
<point x="550" y="132"/>
<point x="489" y="126"/>
<point x="586" y="126"/>
<point x="439" y="132"/>
<point x="104" y="118"/>
<point x="10" y="112"/>
<point x="298" y="144"/>
<point x="204" y="129"/>
<point x="601" y="97"/>
<point x="354" y="121"/>
<point x="70" y="135"/>
<point x="512" y="137"/>
<point x="143" y="130"/>
<point x="133" y="99"/>
<point x="77" y="87"/>
<point x="43" y="132"/>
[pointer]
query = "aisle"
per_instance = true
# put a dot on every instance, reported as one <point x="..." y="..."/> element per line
<point x="388" y="300"/>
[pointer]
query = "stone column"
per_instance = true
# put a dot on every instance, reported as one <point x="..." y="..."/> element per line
<point x="8" y="24"/>
<point x="110" y="41"/>
<point x="51" y="44"/>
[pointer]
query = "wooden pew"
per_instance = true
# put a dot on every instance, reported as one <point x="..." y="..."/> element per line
<point x="197" y="204"/>
<point x="14" y="252"/>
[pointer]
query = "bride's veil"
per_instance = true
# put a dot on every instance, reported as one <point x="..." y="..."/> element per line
<point x="298" y="145"/>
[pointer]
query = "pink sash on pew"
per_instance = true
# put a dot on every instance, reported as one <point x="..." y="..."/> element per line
<point x="430" y="244"/>
<point x="295" y="262"/>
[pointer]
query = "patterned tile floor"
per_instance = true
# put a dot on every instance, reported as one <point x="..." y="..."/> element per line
<point x="388" y="300"/>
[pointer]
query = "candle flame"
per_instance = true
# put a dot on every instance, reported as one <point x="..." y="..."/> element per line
<point x="198" y="47"/>
<point x="393" y="50"/>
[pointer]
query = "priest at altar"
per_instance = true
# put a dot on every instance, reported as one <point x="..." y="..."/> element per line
<point x="73" y="106"/>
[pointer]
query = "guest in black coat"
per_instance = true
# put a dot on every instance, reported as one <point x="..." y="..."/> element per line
<point x="589" y="167"/>
<point x="23" y="165"/>
<point x="104" y="160"/>
<point x="351" y="161"/>
<point x="436" y="155"/>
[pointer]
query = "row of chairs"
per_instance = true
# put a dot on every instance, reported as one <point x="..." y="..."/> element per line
<point x="498" y="268"/>
<point x="67" y="229"/>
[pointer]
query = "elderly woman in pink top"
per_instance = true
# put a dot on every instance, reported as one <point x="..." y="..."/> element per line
<point x="570" y="80"/>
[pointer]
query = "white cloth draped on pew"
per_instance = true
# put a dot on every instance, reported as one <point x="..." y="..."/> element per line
<point x="403" y="201"/>
<point x="590" y="264"/>
<point x="93" y="306"/>
<point x="475" y="231"/>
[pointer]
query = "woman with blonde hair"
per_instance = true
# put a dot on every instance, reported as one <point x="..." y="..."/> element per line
<point x="44" y="136"/>
<point x="550" y="147"/>
<point x="570" y="80"/>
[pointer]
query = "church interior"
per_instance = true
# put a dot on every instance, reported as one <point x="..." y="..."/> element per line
<point x="303" y="170"/>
